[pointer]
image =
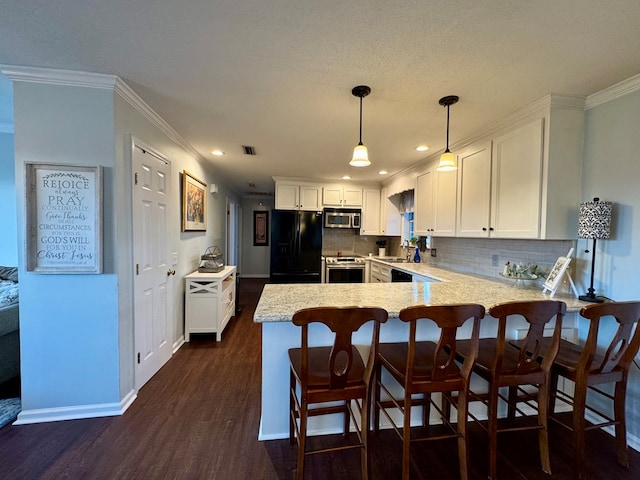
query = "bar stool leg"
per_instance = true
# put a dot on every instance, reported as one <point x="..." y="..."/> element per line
<point x="493" y="431"/>
<point x="621" y="430"/>
<point x="543" y="433"/>
<point x="579" y="403"/>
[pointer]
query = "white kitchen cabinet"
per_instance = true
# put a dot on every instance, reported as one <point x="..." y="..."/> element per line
<point x="500" y="185"/>
<point x="474" y="191"/>
<point x="380" y="273"/>
<point x="516" y="180"/>
<point x="296" y="196"/>
<point x="370" y="221"/>
<point x="210" y="302"/>
<point x="522" y="183"/>
<point x="390" y="217"/>
<point x="435" y="203"/>
<point x="342" y="196"/>
<point x="423" y="204"/>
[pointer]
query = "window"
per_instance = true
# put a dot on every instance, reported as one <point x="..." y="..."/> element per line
<point x="407" y="228"/>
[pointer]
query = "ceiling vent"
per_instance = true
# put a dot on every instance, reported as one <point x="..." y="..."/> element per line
<point x="248" y="150"/>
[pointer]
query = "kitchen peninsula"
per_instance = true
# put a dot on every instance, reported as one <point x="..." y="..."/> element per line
<point x="279" y="302"/>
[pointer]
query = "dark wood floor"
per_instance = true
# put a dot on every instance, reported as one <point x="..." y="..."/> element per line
<point x="198" y="419"/>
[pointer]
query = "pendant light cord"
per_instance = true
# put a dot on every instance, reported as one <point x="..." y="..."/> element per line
<point x="447" y="128"/>
<point x="360" y="121"/>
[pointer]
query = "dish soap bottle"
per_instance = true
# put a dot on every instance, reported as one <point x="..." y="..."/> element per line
<point x="416" y="257"/>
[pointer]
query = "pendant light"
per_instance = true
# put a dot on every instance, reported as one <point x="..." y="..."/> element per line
<point x="447" y="159"/>
<point x="360" y="153"/>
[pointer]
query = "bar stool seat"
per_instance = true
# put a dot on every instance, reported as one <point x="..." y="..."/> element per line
<point x="423" y="368"/>
<point x="502" y="365"/>
<point x="337" y="373"/>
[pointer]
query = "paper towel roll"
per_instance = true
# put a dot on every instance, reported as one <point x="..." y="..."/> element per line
<point x="382" y="252"/>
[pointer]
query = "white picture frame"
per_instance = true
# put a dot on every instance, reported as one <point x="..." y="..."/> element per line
<point x="64" y="218"/>
<point x="558" y="271"/>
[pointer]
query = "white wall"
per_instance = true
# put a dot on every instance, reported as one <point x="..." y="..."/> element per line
<point x="8" y="223"/>
<point x="611" y="171"/>
<point x="77" y="330"/>
<point x="255" y="260"/>
<point x="68" y="323"/>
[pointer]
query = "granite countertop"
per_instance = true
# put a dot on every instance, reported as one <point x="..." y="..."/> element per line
<point x="279" y="302"/>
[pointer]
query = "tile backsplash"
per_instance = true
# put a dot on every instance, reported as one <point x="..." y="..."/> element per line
<point x="348" y="242"/>
<point x="478" y="255"/>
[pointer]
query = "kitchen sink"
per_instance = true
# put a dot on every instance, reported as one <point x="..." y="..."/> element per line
<point x="396" y="260"/>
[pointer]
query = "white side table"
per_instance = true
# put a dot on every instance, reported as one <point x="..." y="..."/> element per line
<point x="210" y="302"/>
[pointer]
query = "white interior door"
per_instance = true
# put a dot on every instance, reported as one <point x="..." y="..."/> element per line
<point x="153" y="328"/>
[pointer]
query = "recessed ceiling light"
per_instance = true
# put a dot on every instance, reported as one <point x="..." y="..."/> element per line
<point x="217" y="153"/>
<point x="382" y="172"/>
<point x="422" y="148"/>
<point x="346" y="177"/>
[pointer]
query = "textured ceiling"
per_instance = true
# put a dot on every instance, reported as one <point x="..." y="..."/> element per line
<point x="278" y="74"/>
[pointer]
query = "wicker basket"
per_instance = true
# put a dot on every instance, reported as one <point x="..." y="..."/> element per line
<point x="211" y="261"/>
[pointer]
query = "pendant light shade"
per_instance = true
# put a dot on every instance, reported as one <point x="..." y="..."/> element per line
<point x="360" y="153"/>
<point x="447" y="159"/>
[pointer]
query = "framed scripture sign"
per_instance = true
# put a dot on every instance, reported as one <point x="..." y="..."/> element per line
<point x="64" y="218"/>
<point x="194" y="214"/>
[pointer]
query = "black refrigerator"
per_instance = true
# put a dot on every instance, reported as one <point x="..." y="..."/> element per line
<point x="296" y="246"/>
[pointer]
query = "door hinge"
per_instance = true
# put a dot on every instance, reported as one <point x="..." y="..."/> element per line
<point x="135" y="178"/>
<point x="137" y="269"/>
<point x="138" y="357"/>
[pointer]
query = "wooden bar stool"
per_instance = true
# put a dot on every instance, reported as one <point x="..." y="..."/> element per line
<point x="425" y="368"/>
<point x="589" y="365"/>
<point x="502" y="365"/>
<point x="334" y="373"/>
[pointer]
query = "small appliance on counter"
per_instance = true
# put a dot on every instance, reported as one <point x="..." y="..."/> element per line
<point x="211" y="261"/>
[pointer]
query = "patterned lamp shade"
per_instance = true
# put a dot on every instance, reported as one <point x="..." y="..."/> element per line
<point x="595" y="219"/>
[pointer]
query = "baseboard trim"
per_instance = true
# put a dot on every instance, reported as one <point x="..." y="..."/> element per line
<point x="178" y="344"/>
<point x="254" y="275"/>
<point x="76" y="412"/>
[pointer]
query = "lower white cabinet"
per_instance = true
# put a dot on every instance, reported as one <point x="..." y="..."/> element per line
<point x="210" y="302"/>
<point x="379" y="273"/>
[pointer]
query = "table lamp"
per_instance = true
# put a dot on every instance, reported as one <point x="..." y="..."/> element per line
<point x="594" y="222"/>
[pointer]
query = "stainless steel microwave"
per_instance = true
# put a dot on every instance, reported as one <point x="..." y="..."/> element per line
<point x="340" y="218"/>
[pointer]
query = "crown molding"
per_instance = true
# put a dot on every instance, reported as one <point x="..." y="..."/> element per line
<point x="73" y="78"/>
<point x="624" y="87"/>
<point x="6" y="128"/>
<point x="54" y="76"/>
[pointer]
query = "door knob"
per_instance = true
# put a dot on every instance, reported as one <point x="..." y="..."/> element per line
<point x="170" y="272"/>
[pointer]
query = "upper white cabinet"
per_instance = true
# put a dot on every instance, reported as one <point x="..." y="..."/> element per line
<point x="525" y="183"/>
<point x="423" y="204"/>
<point x="516" y="180"/>
<point x="435" y="203"/>
<point x="290" y="196"/>
<point x="390" y="217"/>
<point x="474" y="192"/>
<point x="342" y="196"/>
<point x="500" y="185"/>
<point x="370" y="221"/>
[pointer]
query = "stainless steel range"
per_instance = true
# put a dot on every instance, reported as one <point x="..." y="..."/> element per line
<point x="344" y="269"/>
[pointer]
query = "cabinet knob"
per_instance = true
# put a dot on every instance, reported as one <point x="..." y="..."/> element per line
<point x="491" y="229"/>
<point x="170" y="272"/>
<point x="484" y="229"/>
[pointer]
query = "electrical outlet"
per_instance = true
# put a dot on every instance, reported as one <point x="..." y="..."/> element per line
<point x="494" y="260"/>
<point x="433" y="252"/>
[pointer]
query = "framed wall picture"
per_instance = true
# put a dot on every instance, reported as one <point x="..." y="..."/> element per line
<point x="64" y="218"/>
<point x="194" y="204"/>
<point x="260" y="228"/>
